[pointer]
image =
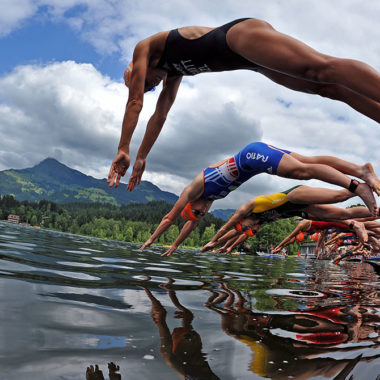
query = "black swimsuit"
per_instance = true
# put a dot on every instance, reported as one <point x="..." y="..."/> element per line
<point x="209" y="53"/>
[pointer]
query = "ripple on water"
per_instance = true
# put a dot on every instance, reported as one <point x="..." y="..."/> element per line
<point x="76" y="264"/>
<point x="158" y="269"/>
<point x="89" y="250"/>
<point x="77" y="275"/>
<point x="187" y="282"/>
<point x="77" y="252"/>
<point x="106" y="341"/>
<point x="168" y="264"/>
<point x="296" y="293"/>
<point x="9" y="236"/>
<point x="17" y="244"/>
<point x="109" y="259"/>
<point x="298" y="275"/>
<point x="155" y="279"/>
<point x="246" y="275"/>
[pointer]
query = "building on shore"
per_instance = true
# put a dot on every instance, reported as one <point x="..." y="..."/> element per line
<point x="15" y="219"/>
<point x="308" y="249"/>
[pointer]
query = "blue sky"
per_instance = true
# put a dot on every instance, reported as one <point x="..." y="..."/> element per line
<point x="62" y="93"/>
<point x="41" y="41"/>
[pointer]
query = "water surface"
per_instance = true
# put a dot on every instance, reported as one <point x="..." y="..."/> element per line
<point x="69" y="302"/>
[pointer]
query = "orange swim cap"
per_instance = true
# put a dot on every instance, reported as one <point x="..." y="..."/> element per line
<point x="315" y="236"/>
<point x="300" y="237"/>
<point x="187" y="213"/>
<point x="244" y="230"/>
<point x="128" y="74"/>
<point x="238" y="227"/>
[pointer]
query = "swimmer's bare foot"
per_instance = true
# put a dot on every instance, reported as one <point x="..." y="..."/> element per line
<point x="369" y="177"/>
<point x="360" y="231"/>
<point x="365" y="193"/>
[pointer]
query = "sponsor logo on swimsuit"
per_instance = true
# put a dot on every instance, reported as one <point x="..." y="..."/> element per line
<point x="277" y="200"/>
<point x="187" y="67"/>
<point x="258" y="156"/>
<point x="270" y="170"/>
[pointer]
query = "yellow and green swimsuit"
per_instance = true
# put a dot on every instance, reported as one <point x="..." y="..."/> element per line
<point x="268" y="208"/>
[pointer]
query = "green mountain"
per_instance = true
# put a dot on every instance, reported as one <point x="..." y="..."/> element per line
<point x="56" y="182"/>
<point x="223" y="214"/>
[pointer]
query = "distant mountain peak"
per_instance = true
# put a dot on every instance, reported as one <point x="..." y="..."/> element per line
<point x="50" y="161"/>
<point x="52" y="180"/>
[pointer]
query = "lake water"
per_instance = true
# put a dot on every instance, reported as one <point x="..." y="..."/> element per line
<point x="69" y="302"/>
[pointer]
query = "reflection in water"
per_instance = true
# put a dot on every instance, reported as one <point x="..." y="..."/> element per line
<point x="70" y="303"/>
<point x="181" y="349"/>
<point x="302" y="344"/>
<point x="94" y="373"/>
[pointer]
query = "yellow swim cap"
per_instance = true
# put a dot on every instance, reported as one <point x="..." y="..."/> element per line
<point x="128" y="74"/>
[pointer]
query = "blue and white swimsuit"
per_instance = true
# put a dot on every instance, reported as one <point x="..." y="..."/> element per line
<point x="229" y="174"/>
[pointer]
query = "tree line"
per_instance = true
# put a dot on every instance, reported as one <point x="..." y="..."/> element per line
<point x="134" y="222"/>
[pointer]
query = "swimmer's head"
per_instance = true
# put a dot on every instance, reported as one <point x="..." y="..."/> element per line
<point x="196" y="210"/>
<point x="128" y="76"/>
<point x="153" y="77"/>
<point x="300" y="237"/>
<point x="191" y="213"/>
<point x="246" y="230"/>
<point x="314" y="236"/>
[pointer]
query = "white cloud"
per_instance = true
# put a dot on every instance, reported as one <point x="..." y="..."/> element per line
<point x="63" y="110"/>
<point x="13" y="14"/>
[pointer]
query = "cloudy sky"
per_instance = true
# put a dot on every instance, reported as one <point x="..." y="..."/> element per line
<point x="62" y="93"/>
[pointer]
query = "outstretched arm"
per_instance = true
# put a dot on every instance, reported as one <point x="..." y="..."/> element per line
<point x="190" y="193"/>
<point x="302" y="226"/>
<point x="153" y="129"/>
<point x="240" y="213"/>
<point x="234" y="243"/>
<point x="229" y="236"/>
<point x="133" y="108"/>
<point x="185" y="232"/>
<point x="332" y="240"/>
<point x="318" y="251"/>
<point x="227" y="244"/>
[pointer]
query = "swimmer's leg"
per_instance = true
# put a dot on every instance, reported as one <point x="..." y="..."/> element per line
<point x="259" y="42"/>
<point x="358" y="102"/>
<point x="364" y="172"/>
<point x="331" y="212"/>
<point x="290" y="167"/>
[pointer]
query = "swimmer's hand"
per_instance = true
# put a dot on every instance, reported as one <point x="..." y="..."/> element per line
<point x="138" y="170"/>
<point x="208" y="246"/>
<point x="113" y="368"/>
<point x="228" y="250"/>
<point x="94" y="373"/>
<point x="146" y="244"/>
<point x="118" y="168"/>
<point x="169" y="251"/>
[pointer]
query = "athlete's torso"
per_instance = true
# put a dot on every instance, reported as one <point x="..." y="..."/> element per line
<point x="209" y="53"/>
<point x="320" y="226"/>
<point x="269" y="208"/>
<point x="228" y="175"/>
